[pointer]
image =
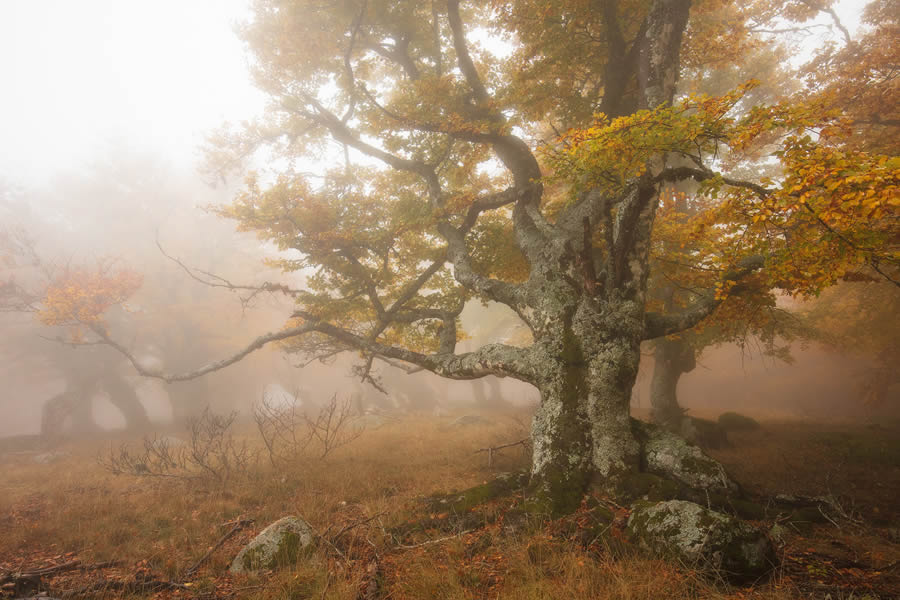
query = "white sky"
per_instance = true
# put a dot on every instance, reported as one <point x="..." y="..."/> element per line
<point x="77" y="73"/>
<point x="160" y="73"/>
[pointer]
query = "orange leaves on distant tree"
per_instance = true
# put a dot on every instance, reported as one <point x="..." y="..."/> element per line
<point x="82" y="295"/>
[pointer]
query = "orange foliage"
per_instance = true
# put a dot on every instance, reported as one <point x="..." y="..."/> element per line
<point x="82" y="295"/>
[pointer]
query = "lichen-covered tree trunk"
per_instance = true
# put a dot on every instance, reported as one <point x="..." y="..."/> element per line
<point x="672" y="359"/>
<point x="582" y="431"/>
<point x="562" y="460"/>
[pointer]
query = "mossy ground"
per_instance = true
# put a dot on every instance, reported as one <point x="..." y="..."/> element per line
<point x="72" y="509"/>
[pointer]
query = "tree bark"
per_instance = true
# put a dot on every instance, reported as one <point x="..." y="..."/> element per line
<point x="582" y="431"/>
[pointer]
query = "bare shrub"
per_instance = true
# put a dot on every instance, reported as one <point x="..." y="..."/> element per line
<point x="210" y="453"/>
<point x="158" y="459"/>
<point x="335" y="425"/>
<point x="213" y="449"/>
<point x="281" y="428"/>
<point x="288" y="432"/>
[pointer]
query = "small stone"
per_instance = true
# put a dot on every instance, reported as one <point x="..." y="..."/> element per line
<point x="777" y="533"/>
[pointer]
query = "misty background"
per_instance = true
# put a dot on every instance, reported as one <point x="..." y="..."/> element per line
<point x="105" y="109"/>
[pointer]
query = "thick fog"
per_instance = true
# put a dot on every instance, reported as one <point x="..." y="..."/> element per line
<point x="105" y="105"/>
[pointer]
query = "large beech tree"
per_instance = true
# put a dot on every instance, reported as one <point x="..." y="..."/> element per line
<point x="450" y="185"/>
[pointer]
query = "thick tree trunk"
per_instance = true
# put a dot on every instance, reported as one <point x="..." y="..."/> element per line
<point x="672" y="359"/>
<point x="124" y="398"/>
<point x="582" y="431"/>
<point x="561" y="436"/>
<point x="59" y="409"/>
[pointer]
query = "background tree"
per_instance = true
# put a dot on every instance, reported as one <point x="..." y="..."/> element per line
<point x="859" y="318"/>
<point x="830" y="81"/>
<point x="82" y="252"/>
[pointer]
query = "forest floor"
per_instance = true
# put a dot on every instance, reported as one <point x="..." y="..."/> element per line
<point x="125" y="536"/>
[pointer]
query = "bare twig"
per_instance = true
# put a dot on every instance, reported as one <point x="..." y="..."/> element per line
<point x="490" y="450"/>
<point x="332" y="427"/>
<point x="240" y="524"/>
<point x="139" y="585"/>
<point x="435" y="541"/>
<point x="211" y="452"/>
<point x="32" y="574"/>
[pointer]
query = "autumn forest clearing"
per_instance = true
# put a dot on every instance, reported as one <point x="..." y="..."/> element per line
<point x="478" y="299"/>
<point x="369" y="499"/>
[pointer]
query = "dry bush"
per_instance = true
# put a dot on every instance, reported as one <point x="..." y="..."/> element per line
<point x="280" y="427"/>
<point x="288" y="432"/>
<point x="211" y="453"/>
<point x="334" y="426"/>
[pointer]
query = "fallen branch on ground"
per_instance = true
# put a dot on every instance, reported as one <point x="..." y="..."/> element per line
<point x="436" y="541"/>
<point x="31" y="578"/>
<point x="493" y="449"/>
<point x="240" y="524"/>
<point x="139" y="585"/>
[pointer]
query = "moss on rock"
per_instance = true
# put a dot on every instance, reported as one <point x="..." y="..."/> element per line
<point x="669" y="456"/>
<point x="503" y="484"/>
<point x="646" y="486"/>
<point x="280" y="544"/>
<point x="702" y="538"/>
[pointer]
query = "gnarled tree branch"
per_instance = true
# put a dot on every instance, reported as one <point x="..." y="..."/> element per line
<point x="657" y="325"/>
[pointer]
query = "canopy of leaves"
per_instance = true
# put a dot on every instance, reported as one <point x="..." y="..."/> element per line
<point x="436" y="129"/>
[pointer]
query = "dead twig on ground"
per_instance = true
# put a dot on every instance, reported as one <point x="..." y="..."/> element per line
<point x="240" y="524"/>
<point x="138" y="585"/>
<point x="31" y="578"/>
<point x="435" y="541"/>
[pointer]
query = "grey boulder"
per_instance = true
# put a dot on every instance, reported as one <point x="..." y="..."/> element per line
<point x="705" y="539"/>
<point x="280" y="544"/>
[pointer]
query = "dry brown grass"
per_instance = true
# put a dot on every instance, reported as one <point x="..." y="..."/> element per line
<point x="73" y="507"/>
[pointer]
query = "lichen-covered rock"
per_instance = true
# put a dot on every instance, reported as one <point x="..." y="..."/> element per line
<point x="278" y="545"/>
<point x="702" y="538"/>
<point x="668" y="455"/>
